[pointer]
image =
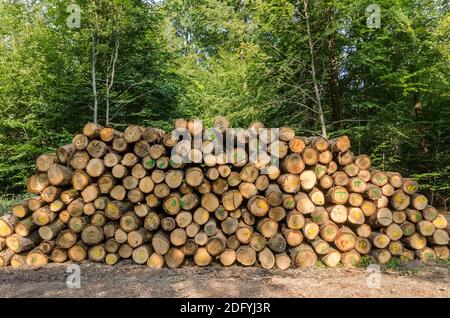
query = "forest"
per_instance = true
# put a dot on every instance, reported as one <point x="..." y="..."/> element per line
<point x="375" y="70"/>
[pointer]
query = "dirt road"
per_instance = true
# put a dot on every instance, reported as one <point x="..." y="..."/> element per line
<point x="128" y="280"/>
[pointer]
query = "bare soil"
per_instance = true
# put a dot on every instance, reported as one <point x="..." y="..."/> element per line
<point x="414" y="279"/>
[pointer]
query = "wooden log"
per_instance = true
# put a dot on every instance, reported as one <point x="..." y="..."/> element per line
<point x="395" y="248"/>
<point x="160" y="243"/>
<point x="97" y="149"/>
<point x="297" y="144"/>
<point x="141" y="148"/>
<point x="112" y="246"/>
<point x="364" y="175"/>
<point x="363" y="245"/>
<point x="58" y="255"/>
<point x="363" y="230"/>
<point x="245" y="255"/>
<point x="202" y="257"/>
<point x="413" y="216"/>
<point x="355" y="199"/>
<point x="410" y="186"/>
<point x="383" y="217"/>
<point x="21" y="210"/>
<point x="161" y="190"/>
<point x="326" y="182"/>
<point x="231" y="200"/>
<point x="110" y="229"/>
<point x="418" y="201"/>
<point x="332" y="258"/>
<point x="416" y="241"/>
<point x="282" y="261"/>
<point x="337" y="195"/>
<point x="442" y="252"/>
<point x="125" y="251"/>
<point x="45" y="161"/>
<point x="346" y="157"/>
<point x="37" y="183"/>
<point x="426" y="228"/>
<point x="132" y="134"/>
<point x="5" y="257"/>
<point x="356" y="216"/>
<point x="90" y="193"/>
<point x="59" y="175"/>
<point x="19" y="244"/>
<point x="393" y="231"/>
<point x="332" y="167"/>
<point x="189" y="248"/>
<point x="378" y="178"/>
<point x="267" y="227"/>
<point x="258" y="206"/>
<point x="142" y="253"/>
<point x="345" y="239"/>
<point x="429" y="213"/>
<point x="320" y="170"/>
<point x="17" y="261"/>
<point x="107" y="134"/>
<point x="338" y="213"/>
<point x="64" y="216"/>
<point x="304" y="204"/>
<point x="115" y="209"/>
<point x="25" y="226"/>
<point x="112" y="258"/>
<point x="277" y="243"/>
<point x="44" y="216"/>
<point x="36" y="202"/>
<point x="121" y="236"/>
<point x="310" y="230"/>
<point x="76" y="207"/>
<point x="174" y="257"/>
<point x="92" y="130"/>
<point x="80" y="180"/>
<point x="129" y="221"/>
<point x="440" y="222"/>
<point x="78" y="223"/>
<point x="329" y="231"/>
<point x="97" y="253"/>
<point x="426" y="254"/>
<point x="228" y="257"/>
<point x="320" y="215"/>
<point x="92" y="235"/>
<point x="373" y="192"/>
<point x="155" y="261"/>
<point x="293" y="164"/>
<point x="304" y="256"/>
<point x="266" y="258"/>
<point x="399" y="217"/>
<point x="439" y="237"/>
<point x="80" y="141"/>
<point x="178" y="237"/>
<point x="383" y="256"/>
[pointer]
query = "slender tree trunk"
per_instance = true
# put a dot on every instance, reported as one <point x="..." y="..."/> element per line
<point x="333" y="74"/>
<point x="94" y="77"/>
<point x="313" y="72"/>
<point x="111" y="75"/>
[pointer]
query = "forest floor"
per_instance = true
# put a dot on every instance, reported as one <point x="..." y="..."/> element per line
<point x="413" y="279"/>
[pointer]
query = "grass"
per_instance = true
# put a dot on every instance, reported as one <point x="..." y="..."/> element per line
<point x="394" y="263"/>
<point x="365" y="261"/>
<point x="7" y="201"/>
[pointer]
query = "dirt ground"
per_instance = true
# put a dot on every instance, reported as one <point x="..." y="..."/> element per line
<point x="127" y="280"/>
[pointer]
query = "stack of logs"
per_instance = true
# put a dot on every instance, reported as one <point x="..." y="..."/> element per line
<point x="113" y="195"/>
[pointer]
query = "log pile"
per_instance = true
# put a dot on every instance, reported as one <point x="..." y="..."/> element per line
<point x="112" y="195"/>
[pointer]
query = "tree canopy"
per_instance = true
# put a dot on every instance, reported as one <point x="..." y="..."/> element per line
<point x="313" y="65"/>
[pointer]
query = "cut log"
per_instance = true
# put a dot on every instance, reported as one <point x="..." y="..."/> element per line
<point x="59" y="175"/>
